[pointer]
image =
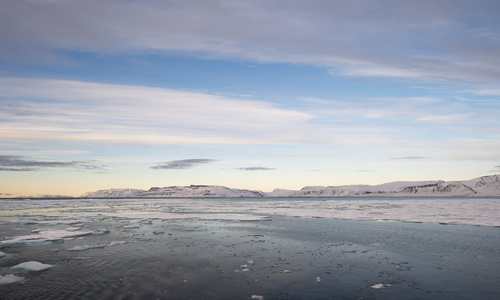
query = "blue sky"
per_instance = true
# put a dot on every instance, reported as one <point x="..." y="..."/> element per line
<point x="246" y="94"/>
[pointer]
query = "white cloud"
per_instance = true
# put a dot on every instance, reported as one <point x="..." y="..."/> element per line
<point x="486" y="92"/>
<point x="422" y="40"/>
<point x="71" y="111"/>
<point x="451" y="118"/>
<point x="83" y="111"/>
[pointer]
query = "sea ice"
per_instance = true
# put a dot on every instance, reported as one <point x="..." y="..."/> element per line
<point x="379" y="286"/>
<point x="200" y="216"/>
<point x="41" y="237"/>
<point x="2" y="254"/>
<point x="31" y="266"/>
<point x="10" y="278"/>
<point x="100" y="232"/>
<point x="130" y="226"/>
<point x="115" y="243"/>
<point x="86" y="247"/>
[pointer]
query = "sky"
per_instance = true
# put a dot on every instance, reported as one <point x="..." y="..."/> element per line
<point x="246" y="94"/>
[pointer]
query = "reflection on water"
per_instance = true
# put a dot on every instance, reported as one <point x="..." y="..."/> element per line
<point x="125" y="253"/>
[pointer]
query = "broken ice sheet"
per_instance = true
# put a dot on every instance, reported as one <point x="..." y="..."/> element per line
<point x="200" y="216"/>
<point x="41" y="237"/>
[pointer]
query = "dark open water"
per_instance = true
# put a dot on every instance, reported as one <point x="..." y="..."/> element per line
<point x="206" y="260"/>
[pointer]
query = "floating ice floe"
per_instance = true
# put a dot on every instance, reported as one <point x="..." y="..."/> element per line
<point x="41" y="237"/>
<point x="379" y="286"/>
<point x="257" y="297"/>
<point x="29" y="266"/>
<point x="130" y="226"/>
<point x="100" y="232"/>
<point x="115" y="243"/>
<point x="49" y="222"/>
<point x="10" y="278"/>
<point x="200" y="216"/>
<point x="87" y="247"/>
<point x="2" y="254"/>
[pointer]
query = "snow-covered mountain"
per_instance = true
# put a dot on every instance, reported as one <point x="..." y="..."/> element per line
<point x="175" y="191"/>
<point x="114" y="193"/>
<point x="479" y="187"/>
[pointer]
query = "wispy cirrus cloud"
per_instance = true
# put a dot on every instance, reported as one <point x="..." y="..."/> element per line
<point x="22" y="164"/>
<point x="410" y="158"/>
<point x="255" y="169"/>
<point x="182" y="164"/>
<point x="450" y="118"/>
<point x="486" y="92"/>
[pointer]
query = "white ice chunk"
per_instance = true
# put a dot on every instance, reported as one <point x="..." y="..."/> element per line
<point x="32" y="266"/>
<point x="10" y="278"/>
<point x="115" y="243"/>
<point x="257" y="297"/>
<point x="2" y="254"/>
<point x="379" y="286"/>
<point x="86" y="247"/>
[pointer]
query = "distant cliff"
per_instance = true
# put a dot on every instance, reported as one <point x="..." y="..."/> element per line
<point x="478" y="187"/>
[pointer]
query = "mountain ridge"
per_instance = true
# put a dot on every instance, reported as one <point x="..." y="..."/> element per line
<point x="484" y="186"/>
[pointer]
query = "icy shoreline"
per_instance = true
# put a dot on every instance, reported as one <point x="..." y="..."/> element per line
<point x="460" y="210"/>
